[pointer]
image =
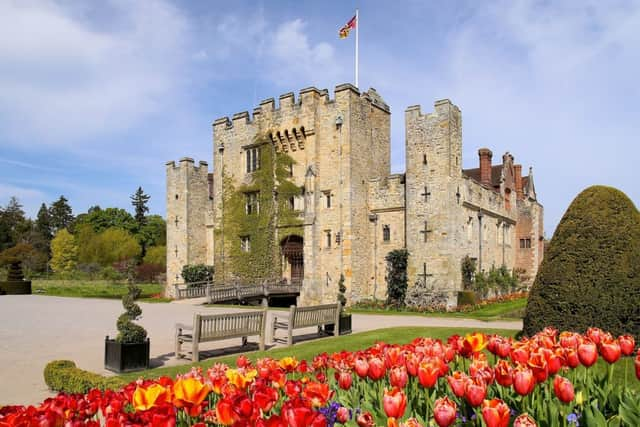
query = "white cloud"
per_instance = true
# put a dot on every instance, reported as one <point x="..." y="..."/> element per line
<point x="64" y="77"/>
<point x="293" y="59"/>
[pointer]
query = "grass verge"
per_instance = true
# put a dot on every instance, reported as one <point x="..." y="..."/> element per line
<point x="507" y="310"/>
<point x="94" y="289"/>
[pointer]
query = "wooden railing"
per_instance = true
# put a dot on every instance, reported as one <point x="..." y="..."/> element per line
<point x="234" y="292"/>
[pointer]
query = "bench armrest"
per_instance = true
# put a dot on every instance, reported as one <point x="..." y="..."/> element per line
<point x="181" y="326"/>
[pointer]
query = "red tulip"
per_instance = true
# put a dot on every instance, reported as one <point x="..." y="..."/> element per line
<point x="475" y="391"/>
<point x="394" y="402"/>
<point x="569" y="340"/>
<point x="563" y="389"/>
<point x="504" y="373"/>
<point x="495" y="413"/>
<point x="428" y="372"/>
<point x="393" y="357"/>
<point x="411" y="422"/>
<point x="594" y="335"/>
<point x="627" y="344"/>
<point x="361" y="366"/>
<point x="587" y="353"/>
<point x="444" y="411"/>
<point x="555" y="360"/>
<point x="524" y="420"/>
<point x="523" y="380"/>
<point x="301" y="416"/>
<point x="344" y="378"/>
<point x="412" y="361"/>
<point x="317" y="393"/>
<point x="610" y="350"/>
<point x="377" y="369"/>
<point x="458" y="381"/>
<point x="538" y="364"/>
<point x="365" y="420"/>
<point x="519" y="353"/>
<point x="398" y="376"/>
<point x="637" y="363"/>
<point x="343" y="415"/>
<point x="571" y="356"/>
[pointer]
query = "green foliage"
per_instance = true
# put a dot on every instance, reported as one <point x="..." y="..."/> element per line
<point x="64" y="252"/>
<point x="43" y="223"/>
<point x="61" y="215"/>
<point x="13" y="224"/>
<point x="63" y="375"/>
<point x="129" y="332"/>
<point x="396" y="276"/>
<point x="274" y="218"/>
<point x="590" y="275"/>
<point x="139" y="201"/>
<point x="499" y="281"/>
<point x="102" y="219"/>
<point x="153" y="232"/>
<point x="156" y="255"/>
<point x="468" y="268"/>
<point x="197" y="273"/>
<point x="110" y="246"/>
<point x="466" y="298"/>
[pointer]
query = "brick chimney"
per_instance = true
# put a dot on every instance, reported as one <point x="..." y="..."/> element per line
<point x="485" y="166"/>
<point x="518" y="181"/>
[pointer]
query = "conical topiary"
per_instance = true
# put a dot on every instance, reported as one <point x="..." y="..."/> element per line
<point x="590" y="275"/>
<point x="129" y="332"/>
<point x="14" y="273"/>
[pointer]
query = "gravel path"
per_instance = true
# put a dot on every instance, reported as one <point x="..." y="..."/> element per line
<point x="37" y="329"/>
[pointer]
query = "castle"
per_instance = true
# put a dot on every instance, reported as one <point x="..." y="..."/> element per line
<point x="303" y="190"/>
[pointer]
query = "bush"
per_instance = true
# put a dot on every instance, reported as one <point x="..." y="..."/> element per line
<point x="156" y="255"/>
<point x="148" y="273"/>
<point x="110" y="273"/>
<point x="590" y="275"/>
<point x="197" y="273"/>
<point x="396" y="276"/>
<point x="63" y="375"/>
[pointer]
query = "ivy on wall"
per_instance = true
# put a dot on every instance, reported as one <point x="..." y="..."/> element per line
<point x="265" y="226"/>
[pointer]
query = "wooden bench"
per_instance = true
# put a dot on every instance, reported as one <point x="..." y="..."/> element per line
<point x="217" y="327"/>
<point x="303" y="317"/>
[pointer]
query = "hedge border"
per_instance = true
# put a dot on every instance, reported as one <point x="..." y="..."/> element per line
<point x="64" y="375"/>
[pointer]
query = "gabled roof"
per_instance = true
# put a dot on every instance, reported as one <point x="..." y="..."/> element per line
<point x="496" y="174"/>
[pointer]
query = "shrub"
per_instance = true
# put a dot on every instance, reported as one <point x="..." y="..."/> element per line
<point x="590" y="275"/>
<point x="63" y="375"/>
<point x="468" y="267"/>
<point x="156" y="255"/>
<point x="342" y="299"/>
<point x="110" y="273"/>
<point x="396" y="276"/>
<point x="129" y="332"/>
<point x="148" y="273"/>
<point x="197" y="273"/>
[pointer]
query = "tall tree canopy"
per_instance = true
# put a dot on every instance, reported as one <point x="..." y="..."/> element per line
<point x="139" y="201"/>
<point x="61" y="215"/>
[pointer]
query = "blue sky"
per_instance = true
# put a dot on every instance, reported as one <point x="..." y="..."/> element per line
<point x="96" y="96"/>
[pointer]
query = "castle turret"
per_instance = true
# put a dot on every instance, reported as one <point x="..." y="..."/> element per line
<point x="188" y="205"/>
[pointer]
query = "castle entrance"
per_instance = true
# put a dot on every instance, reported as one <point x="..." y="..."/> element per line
<point x="293" y="259"/>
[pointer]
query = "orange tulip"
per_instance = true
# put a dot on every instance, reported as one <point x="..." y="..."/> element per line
<point x="444" y="411"/>
<point x="144" y="399"/>
<point x="476" y="342"/>
<point x="394" y="402"/>
<point x="495" y="413"/>
<point x="524" y="420"/>
<point x="563" y="389"/>
<point x="538" y="364"/>
<point x="189" y="393"/>
<point x="317" y="393"/>
<point x="428" y="372"/>
<point x="411" y="422"/>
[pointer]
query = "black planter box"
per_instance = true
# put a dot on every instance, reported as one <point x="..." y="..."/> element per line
<point x="345" y="325"/>
<point x="124" y="357"/>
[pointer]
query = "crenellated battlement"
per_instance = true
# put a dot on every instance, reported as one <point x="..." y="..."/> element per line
<point x="308" y="99"/>
<point x="442" y="107"/>
<point x="187" y="164"/>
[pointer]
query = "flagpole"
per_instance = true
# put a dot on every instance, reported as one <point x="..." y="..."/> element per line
<point x="357" y="29"/>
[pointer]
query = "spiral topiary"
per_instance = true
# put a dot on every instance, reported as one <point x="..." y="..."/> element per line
<point x="129" y="332"/>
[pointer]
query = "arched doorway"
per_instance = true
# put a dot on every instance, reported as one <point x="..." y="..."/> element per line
<point x="293" y="254"/>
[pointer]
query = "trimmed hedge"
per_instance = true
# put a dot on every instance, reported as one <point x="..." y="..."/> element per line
<point x="63" y="375"/>
<point x="590" y="275"/>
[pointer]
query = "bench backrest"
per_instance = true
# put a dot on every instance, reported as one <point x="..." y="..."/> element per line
<point x="216" y="326"/>
<point x="314" y="315"/>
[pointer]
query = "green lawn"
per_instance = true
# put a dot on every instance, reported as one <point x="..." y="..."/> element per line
<point x="500" y="310"/>
<point x="94" y="289"/>
<point x="308" y="350"/>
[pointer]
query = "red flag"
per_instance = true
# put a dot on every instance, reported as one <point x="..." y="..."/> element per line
<point x="344" y="31"/>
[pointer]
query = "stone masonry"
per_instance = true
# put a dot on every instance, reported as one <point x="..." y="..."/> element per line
<point x="352" y="209"/>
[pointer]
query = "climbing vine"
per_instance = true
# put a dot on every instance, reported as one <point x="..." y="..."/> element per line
<point x="270" y="220"/>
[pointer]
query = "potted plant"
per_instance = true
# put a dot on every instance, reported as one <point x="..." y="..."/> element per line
<point x="129" y="351"/>
<point x="15" y="283"/>
<point x="345" y="318"/>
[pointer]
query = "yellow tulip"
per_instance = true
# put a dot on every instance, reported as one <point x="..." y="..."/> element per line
<point x="241" y="378"/>
<point x="189" y="392"/>
<point x="145" y="399"/>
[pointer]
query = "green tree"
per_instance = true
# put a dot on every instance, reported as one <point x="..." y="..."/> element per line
<point x="590" y="275"/>
<point x="156" y="255"/>
<point x="13" y="224"/>
<point x="154" y="231"/>
<point x="116" y="245"/>
<point x="139" y="201"/>
<point x="43" y="222"/>
<point x="87" y="241"/>
<point x="61" y="215"/>
<point x="101" y="219"/>
<point x="64" y="252"/>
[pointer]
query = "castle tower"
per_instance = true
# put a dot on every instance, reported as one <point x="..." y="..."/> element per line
<point x="433" y="161"/>
<point x="188" y="205"/>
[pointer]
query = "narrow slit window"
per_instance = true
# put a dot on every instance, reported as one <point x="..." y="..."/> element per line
<point x="386" y="233"/>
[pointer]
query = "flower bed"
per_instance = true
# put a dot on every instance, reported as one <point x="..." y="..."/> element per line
<point x="547" y="380"/>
